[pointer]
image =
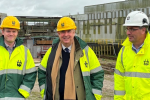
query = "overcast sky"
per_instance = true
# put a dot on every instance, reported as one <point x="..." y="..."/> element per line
<point x="49" y="8"/>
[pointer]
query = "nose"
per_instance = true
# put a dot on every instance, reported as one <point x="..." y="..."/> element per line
<point x="128" y="32"/>
<point x="66" y="32"/>
<point x="10" y="33"/>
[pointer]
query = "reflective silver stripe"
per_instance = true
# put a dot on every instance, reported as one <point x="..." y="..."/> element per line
<point x="118" y="72"/>
<point x="11" y="98"/>
<point x="25" y="88"/>
<point x="31" y="70"/>
<point x="1" y="72"/>
<point x="44" y="97"/>
<point x="25" y="62"/>
<point x="16" y="71"/>
<point x="122" y="55"/>
<point x="137" y="74"/>
<point x="86" y="73"/>
<point x="11" y="71"/>
<point x="95" y="91"/>
<point x="96" y="70"/>
<point x="86" y="53"/>
<point x="42" y="68"/>
<point x="133" y="74"/>
<point x="42" y="87"/>
<point x="116" y="92"/>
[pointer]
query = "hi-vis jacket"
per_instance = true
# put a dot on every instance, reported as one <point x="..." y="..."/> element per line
<point x="17" y="72"/>
<point x="92" y="71"/>
<point x="132" y="73"/>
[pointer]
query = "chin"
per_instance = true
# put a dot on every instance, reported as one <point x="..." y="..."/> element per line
<point x="10" y="41"/>
<point x="131" y="41"/>
<point x="66" y="41"/>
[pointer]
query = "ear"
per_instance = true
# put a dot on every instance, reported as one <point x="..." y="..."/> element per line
<point x="58" y="33"/>
<point x="2" y="31"/>
<point x="74" y="31"/>
<point x="143" y="30"/>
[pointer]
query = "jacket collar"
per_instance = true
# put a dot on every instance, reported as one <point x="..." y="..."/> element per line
<point x="146" y="41"/>
<point x="18" y="41"/>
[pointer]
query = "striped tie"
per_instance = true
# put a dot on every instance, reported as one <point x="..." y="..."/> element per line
<point x="67" y="50"/>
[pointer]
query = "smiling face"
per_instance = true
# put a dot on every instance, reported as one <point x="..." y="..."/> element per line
<point x="10" y="35"/>
<point x="66" y="37"/>
<point x="136" y="35"/>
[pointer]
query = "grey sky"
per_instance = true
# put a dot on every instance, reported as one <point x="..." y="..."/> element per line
<point x="49" y="8"/>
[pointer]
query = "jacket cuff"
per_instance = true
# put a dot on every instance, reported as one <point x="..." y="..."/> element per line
<point x="24" y="93"/>
<point x="42" y="93"/>
<point x="98" y="97"/>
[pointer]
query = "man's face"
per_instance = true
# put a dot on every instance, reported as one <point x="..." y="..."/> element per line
<point x="10" y="35"/>
<point x="135" y="34"/>
<point x="66" y="37"/>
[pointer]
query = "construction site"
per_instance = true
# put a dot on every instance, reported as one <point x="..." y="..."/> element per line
<point x="101" y="26"/>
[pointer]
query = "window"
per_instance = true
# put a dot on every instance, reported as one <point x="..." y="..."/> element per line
<point x="105" y="15"/>
<point x="89" y="16"/>
<point x="98" y="16"/>
<point x="93" y="16"/>
<point x="113" y="14"/>
<point x="116" y="13"/>
<point x="102" y="15"/>
<point x="109" y="14"/>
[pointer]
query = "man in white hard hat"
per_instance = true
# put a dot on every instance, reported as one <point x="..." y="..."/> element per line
<point x="132" y="72"/>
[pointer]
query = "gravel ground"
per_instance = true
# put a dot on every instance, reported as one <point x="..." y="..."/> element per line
<point x="108" y="87"/>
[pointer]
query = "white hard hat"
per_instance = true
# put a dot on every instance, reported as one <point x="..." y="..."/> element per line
<point x="136" y="18"/>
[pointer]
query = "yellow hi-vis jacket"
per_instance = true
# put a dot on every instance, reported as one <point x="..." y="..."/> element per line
<point x="17" y="72"/>
<point x="132" y="72"/>
<point x="91" y="70"/>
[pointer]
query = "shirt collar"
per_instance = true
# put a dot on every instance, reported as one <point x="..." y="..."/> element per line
<point x="7" y="46"/>
<point x="138" y="49"/>
<point x="66" y="47"/>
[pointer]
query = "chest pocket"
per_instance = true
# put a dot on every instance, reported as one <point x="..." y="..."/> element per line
<point x="145" y="65"/>
<point x="84" y="64"/>
<point x="19" y="63"/>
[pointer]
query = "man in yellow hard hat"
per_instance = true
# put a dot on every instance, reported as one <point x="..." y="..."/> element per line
<point x="132" y="72"/>
<point x="17" y="68"/>
<point x="71" y="68"/>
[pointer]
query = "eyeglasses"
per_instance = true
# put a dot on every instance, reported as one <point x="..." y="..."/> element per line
<point x="131" y="29"/>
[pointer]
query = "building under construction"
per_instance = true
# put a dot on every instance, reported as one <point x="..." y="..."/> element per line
<point x="37" y="28"/>
<point x="38" y="33"/>
<point x="2" y="16"/>
<point x="101" y="25"/>
<point x="104" y="22"/>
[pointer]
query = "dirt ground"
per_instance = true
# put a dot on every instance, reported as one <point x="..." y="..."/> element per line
<point x="108" y="84"/>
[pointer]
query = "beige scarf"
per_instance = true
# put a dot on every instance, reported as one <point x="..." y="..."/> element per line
<point x="69" y="90"/>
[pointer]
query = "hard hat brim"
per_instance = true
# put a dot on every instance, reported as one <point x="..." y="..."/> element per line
<point x="58" y="30"/>
<point x="133" y="25"/>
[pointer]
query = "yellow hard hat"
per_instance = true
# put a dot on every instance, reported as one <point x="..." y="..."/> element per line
<point x="10" y="22"/>
<point x="65" y="23"/>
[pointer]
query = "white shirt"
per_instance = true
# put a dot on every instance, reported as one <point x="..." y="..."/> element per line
<point x="66" y="47"/>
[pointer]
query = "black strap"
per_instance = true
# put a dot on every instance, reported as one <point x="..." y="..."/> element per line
<point x="49" y="93"/>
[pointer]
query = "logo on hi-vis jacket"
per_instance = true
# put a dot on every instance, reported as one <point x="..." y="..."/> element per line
<point x="86" y="63"/>
<point x="146" y="62"/>
<point x="19" y="63"/>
